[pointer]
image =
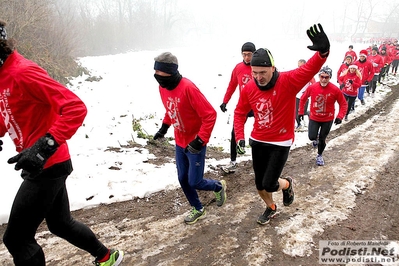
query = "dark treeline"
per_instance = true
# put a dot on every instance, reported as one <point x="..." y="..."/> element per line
<point x="54" y="32"/>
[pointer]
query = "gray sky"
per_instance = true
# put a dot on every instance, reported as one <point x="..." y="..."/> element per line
<point x="271" y="19"/>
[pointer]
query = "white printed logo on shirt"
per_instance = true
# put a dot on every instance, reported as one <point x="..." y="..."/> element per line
<point x="264" y="112"/>
<point x="9" y="121"/>
<point x="174" y="113"/>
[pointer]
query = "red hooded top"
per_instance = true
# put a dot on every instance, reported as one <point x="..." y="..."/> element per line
<point x="386" y="58"/>
<point x="396" y="55"/>
<point x="377" y="62"/>
<point x="341" y="69"/>
<point x="274" y="109"/>
<point x="189" y="112"/>
<point x="352" y="54"/>
<point x="240" y="76"/>
<point x="322" y="107"/>
<point x="366" y="69"/>
<point x="392" y="52"/>
<point x="350" y="89"/>
<point x="32" y="104"/>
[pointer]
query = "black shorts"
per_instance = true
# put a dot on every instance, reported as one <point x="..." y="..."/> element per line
<point x="268" y="162"/>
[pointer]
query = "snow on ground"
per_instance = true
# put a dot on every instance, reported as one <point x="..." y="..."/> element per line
<point x="128" y="91"/>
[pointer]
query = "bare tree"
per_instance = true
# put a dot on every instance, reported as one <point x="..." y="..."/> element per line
<point x="40" y="36"/>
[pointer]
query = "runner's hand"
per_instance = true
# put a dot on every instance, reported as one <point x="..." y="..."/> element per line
<point x="195" y="146"/>
<point x="162" y="131"/>
<point x="241" y="147"/>
<point x="223" y="107"/>
<point x="35" y="157"/>
<point x="319" y="39"/>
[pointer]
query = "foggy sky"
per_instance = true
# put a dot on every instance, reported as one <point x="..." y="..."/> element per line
<point x="264" y="20"/>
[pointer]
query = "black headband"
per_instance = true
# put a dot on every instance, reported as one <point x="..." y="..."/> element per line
<point x="169" y="68"/>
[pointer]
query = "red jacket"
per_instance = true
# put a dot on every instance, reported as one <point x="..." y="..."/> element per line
<point x="350" y="89"/>
<point x="322" y="99"/>
<point x="32" y="104"/>
<point x="377" y="62"/>
<point x="366" y="69"/>
<point x="341" y="69"/>
<point x="189" y="112"/>
<point x="386" y="59"/>
<point x="392" y="52"/>
<point x="351" y="53"/>
<point x="240" y="76"/>
<point x="274" y="109"/>
<point x="396" y="55"/>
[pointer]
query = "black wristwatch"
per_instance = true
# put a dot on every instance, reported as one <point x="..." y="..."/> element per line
<point x="50" y="142"/>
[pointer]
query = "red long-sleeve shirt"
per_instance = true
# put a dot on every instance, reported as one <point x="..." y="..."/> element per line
<point x="352" y="54"/>
<point x="350" y="89"/>
<point x="240" y="76"/>
<point x="32" y="104"/>
<point x="189" y="112"/>
<point x="274" y="109"/>
<point x="377" y="62"/>
<point x="366" y="69"/>
<point x="341" y="69"/>
<point x="322" y="102"/>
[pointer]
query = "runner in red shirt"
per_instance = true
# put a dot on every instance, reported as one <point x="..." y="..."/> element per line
<point x="344" y="66"/>
<point x="351" y="53"/>
<point x="378" y="63"/>
<point x="40" y="115"/>
<point x="352" y="80"/>
<point x="193" y="119"/>
<point x="366" y="69"/>
<point x="271" y="95"/>
<point x="240" y="76"/>
<point x="323" y="96"/>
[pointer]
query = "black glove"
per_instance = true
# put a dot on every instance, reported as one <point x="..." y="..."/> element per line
<point x="241" y="147"/>
<point x="337" y="121"/>
<point x="350" y="81"/>
<point x="195" y="146"/>
<point x="35" y="157"/>
<point x="300" y="117"/>
<point x="319" y="39"/>
<point x="223" y="107"/>
<point x="342" y="86"/>
<point x="366" y="83"/>
<point x="1" y="143"/>
<point x="162" y="131"/>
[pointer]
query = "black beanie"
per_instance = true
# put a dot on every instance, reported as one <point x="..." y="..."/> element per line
<point x="248" y="46"/>
<point x="262" y="57"/>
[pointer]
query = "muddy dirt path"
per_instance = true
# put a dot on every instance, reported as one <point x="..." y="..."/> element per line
<point x="354" y="196"/>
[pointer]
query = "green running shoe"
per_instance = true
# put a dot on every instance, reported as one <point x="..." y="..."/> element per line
<point x="221" y="195"/>
<point x="195" y="215"/>
<point x="115" y="259"/>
